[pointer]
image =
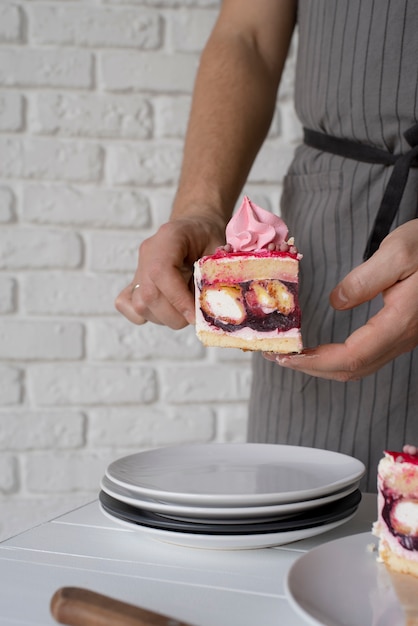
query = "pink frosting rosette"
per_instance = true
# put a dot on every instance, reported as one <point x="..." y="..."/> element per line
<point x="253" y="228"/>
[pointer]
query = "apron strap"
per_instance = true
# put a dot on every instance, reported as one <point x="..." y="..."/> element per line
<point x="369" y="154"/>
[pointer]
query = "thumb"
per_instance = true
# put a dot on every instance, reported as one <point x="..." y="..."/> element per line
<point x="394" y="261"/>
<point x="364" y="283"/>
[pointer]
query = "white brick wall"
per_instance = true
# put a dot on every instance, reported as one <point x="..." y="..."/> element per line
<point x="94" y="99"/>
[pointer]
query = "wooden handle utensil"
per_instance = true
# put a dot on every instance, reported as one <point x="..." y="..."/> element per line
<point x="80" y="607"/>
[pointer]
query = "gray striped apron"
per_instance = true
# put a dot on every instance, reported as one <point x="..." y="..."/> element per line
<point x="356" y="80"/>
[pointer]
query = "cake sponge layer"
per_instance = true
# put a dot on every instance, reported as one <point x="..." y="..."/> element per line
<point x="398" y="563"/>
<point x="240" y="268"/>
<point x="280" y="344"/>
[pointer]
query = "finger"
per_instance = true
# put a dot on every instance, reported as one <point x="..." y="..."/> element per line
<point x="328" y="361"/>
<point x="164" y="278"/>
<point x="395" y="260"/>
<point x="391" y="332"/>
<point x="170" y="297"/>
<point x="152" y="303"/>
<point x="165" y="286"/>
<point x="123" y="304"/>
<point x="363" y="353"/>
<point x="364" y="283"/>
<point x="322" y="363"/>
<point x="133" y="305"/>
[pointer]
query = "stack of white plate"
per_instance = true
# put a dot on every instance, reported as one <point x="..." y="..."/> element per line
<point x="232" y="496"/>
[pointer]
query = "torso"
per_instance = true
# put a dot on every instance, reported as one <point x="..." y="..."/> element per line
<point x="348" y="87"/>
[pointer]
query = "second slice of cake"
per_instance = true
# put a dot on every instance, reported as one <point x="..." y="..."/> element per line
<point x="247" y="292"/>
<point x="397" y="523"/>
<point x="397" y="526"/>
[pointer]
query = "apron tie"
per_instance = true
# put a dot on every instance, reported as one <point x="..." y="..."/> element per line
<point x="369" y="154"/>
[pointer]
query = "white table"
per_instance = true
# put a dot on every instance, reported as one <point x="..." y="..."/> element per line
<point x="204" y="587"/>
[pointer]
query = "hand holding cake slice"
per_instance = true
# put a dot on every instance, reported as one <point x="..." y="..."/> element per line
<point x="246" y="293"/>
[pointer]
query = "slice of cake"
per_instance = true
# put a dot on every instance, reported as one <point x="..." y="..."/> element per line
<point x="247" y="292"/>
<point x="397" y="522"/>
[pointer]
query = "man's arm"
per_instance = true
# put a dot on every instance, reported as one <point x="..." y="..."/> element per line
<point x="233" y="104"/>
<point x="234" y="99"/>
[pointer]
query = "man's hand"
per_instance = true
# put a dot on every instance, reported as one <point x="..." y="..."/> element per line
<point x="161" y="290"/>
<point x="228" y="123"/>
<point x="393" y="272"/>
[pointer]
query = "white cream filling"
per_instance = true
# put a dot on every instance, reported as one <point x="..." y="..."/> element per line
<point x="406" y="516"/>
<point x="222" y="305"/>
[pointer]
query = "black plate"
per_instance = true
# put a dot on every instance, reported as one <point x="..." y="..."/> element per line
<point x="325" y="514"/>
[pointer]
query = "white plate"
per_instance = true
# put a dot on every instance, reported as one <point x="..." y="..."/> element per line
<point x="341" y="584"/>
<point x="226" y="475"/>
<point x="227" y="542"/>
<point x="197" y="513"/>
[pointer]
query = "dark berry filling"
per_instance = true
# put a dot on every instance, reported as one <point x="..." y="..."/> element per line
<point x="255" y="317"/>
<point x="409" y="542"/>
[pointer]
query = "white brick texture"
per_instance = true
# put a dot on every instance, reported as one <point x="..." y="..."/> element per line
<point x="112" y="251"/>
<point x="142" y="164"/>
<point x="67" y="385"/>
<point x="114" y="340"/>
<point x="94" y="101"/>
<point x="50" y="159"/>
<point x="185" y="384"/>
<point x="90" y="115"/>
<point x="10" y="24"/>
<point x="6" y="205"/>
<point x="59" y="471"/>
<point x="70" y="293"/>
<point x="11" y="385"/>
<point x="8" y="474"/>
<point x="11" y="111"/>
<point x="171" y="115"/>
<point x="90" y="207"/>
<point x="190" y="29"/>
<point x="41" y="340"/>
<point x="37" y="67"/>
<point x="147" y="71"/>
<point x="176" y="4"/>
<point x="150" y="427"/>
<point x="95" y="26"/>
<point x="22" y="248"/>
<point x="39" y="430"/>
<point x="8" y="291"/>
